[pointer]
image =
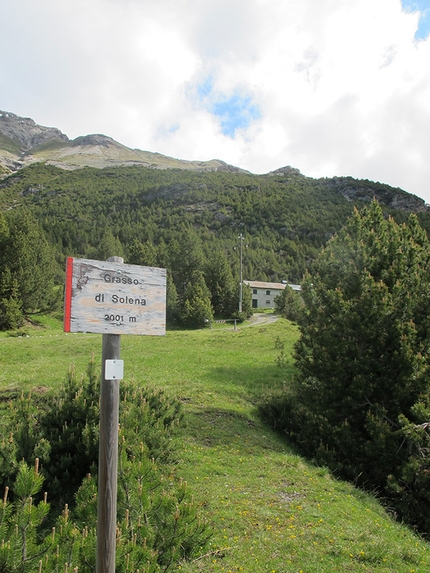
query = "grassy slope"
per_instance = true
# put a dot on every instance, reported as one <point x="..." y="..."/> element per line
<point x="271" y="510"/>
<point x="9" y="145"/>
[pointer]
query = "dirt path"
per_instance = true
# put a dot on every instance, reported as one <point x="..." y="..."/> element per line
<point x="262" y="318"/>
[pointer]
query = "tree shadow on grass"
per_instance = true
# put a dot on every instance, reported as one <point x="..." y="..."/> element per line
<point x="254" y="382"/>
<point x="221" y="427"/>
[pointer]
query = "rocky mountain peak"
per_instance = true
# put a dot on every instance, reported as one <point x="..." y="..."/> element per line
<point x="94" y="139"/>
<point x="26" y="132"/>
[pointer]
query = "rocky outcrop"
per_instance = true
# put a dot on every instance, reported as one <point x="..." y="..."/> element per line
<point x="365" y="191"/>
<point x="26" y="132"/>
<point x="287" y="170"/>
<point x="218" y="165"/>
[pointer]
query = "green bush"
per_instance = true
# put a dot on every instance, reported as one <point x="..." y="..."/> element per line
<point x="158" y="523"/>
<point x="62" y="430"/>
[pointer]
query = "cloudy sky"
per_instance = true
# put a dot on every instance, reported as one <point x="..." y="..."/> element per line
<point x="331" y="87"/>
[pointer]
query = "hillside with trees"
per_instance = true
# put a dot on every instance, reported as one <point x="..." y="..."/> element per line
<point x="185" y="221"/>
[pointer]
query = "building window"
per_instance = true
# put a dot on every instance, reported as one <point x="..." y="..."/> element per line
<point x="254" y="291"/>
<point x="267" y="301"/>
<point x="267" y="292"/>
<point x="254" y="303"/>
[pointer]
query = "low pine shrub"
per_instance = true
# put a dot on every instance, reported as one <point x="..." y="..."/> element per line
<point x="158" y="523"/>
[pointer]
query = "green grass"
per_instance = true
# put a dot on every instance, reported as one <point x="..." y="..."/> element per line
<point x="9" y="145"/>
<point x="270" y="509"/>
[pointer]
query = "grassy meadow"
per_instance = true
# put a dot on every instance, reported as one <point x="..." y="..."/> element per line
<point x="271" y="511"/>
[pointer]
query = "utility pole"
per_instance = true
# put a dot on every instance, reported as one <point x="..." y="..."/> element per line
<point x="241" y="238"/>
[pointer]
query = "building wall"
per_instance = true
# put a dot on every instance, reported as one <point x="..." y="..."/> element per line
<point x="264" y="298"/>
<point x="263" y="293"/>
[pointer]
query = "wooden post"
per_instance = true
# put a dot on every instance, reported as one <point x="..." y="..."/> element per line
<point x="108" y="456"/>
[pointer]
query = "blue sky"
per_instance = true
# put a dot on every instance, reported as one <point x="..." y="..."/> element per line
<point x="423" y="7"/>
<point x="331" y="87"/>
<point x="234" y="111"/>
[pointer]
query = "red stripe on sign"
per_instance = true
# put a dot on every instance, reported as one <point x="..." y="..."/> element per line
<point x="68" y="294"/>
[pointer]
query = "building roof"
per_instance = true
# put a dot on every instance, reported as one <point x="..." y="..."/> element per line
<point x="272" y="286"/>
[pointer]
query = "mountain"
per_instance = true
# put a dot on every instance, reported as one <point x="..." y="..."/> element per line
<point x="23" y="141"/>
<point x="93" y="196"/>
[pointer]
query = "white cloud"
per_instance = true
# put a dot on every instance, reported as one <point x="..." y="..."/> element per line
<point x="333" y="87"/>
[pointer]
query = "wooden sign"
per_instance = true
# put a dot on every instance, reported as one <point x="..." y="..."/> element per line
<point x="114" y="298"/>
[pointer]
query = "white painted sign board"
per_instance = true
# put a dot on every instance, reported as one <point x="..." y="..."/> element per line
<point x="114" y="298"/>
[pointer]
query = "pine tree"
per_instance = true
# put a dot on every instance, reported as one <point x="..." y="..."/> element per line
<point x="109" y="246"/>
<point x="144" y="254"/>
<point x="186" y="258"/>
<point x="196" y="309"/>
<point x="363" y="352"/>
<point x="289" y="304"/>
<point x="219" y="279"/>
<point x="27" y="265"/>
<point x="11" y="315"/>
